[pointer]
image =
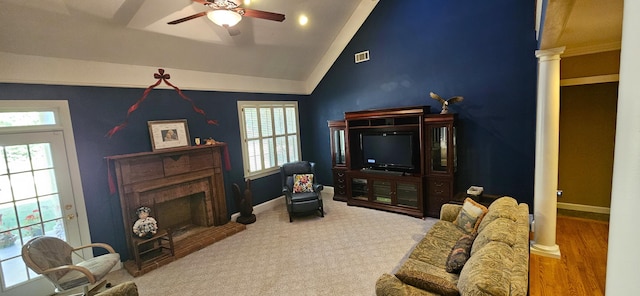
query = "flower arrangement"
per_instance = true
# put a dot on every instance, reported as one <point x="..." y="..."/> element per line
<point x="36" y="228"/>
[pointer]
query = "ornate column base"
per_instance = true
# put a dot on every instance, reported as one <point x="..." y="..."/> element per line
<point x="542" y="250"/>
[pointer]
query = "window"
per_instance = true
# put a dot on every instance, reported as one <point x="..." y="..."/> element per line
<point x="26" y="118"/>
<point x="270" y="136"/>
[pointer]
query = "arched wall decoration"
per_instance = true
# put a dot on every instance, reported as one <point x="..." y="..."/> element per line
<point x="161" y="77"/>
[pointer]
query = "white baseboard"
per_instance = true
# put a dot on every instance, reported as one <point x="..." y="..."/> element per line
<point x="270" y="204"/>
<point x="583" y="208"/>
<point x="263" y="207"/>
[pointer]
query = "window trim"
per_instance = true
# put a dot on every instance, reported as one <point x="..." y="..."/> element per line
<point x="243" y="135"/>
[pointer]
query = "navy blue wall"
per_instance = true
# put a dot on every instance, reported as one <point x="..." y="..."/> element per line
<point x="95" y="110"/>
<point x="483" y="51"/>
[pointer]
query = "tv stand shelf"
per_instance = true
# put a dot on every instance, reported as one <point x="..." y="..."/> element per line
<point x="384" y="122"/>
<point x="380" y="172"/>
<point x="396" y="193"/>
<point x="387" y="118"/>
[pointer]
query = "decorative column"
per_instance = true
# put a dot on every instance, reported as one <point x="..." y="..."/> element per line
<point x="547" y="145"/>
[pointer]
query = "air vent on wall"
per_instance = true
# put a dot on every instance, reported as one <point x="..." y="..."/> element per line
<point x="362" y="56"/>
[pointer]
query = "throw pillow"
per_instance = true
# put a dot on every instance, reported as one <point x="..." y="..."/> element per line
<point x="428" y="282"/>
<point x="470" y="215"/>
<point x="302" y="183"/>
<point x="459" y="253"/>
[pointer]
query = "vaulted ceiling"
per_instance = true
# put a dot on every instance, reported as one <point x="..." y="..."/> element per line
<point x="98" y="36"/>
<point x="583" y="26"/>
<point x="123" y="42"/>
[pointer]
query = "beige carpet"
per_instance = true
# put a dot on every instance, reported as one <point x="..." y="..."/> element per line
<point x="343" y="253"/>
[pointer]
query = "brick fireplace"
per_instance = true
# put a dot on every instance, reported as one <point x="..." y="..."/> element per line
<point x="184" y="188"/>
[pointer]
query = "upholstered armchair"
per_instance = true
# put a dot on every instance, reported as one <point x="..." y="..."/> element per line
<point x="52" y="258"/>
<point x="301" y="189"/>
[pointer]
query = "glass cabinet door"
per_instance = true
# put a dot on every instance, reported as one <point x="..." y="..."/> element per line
<point x="338" y="143"/>
<point x="382" y="191"/>
<point x="359" y="189"/>
<point x="338" y="147"/>
<point x="439" y="147"/>
<point x="407" y="194"/>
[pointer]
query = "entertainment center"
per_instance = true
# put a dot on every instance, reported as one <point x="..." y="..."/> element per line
<point x="399" y="159"/>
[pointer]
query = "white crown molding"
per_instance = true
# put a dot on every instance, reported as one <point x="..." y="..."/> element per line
<point x="591" y="49"/>
<point x="45" y="70"/>
<point x="590" y="80"/>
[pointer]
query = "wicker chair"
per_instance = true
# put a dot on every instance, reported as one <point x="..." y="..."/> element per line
<point x="52" y="258"/>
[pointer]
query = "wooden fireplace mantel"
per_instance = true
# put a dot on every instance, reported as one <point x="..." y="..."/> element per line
<point x="153" y="178"/>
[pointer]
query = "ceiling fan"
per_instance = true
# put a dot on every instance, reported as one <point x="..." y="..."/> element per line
<point x="227" y="13"/>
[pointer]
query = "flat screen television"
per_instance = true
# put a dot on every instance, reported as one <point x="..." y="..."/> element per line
<point x="393" y="151"/>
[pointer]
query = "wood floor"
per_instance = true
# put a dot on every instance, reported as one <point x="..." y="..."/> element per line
<point x="581" y="270"/>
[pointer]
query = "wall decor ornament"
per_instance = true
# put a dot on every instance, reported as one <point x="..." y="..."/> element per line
<point x="161" y="77"/>
<point x="169" y="134"/>
<point x="446" y="103"/>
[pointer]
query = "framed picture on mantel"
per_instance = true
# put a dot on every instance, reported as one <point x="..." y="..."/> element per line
<point x="168" y="134"/>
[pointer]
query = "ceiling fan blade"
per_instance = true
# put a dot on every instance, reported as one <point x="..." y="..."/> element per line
<point x="272" y="16"/>
<point x="184" y="19"/>
<point x="232" y="31"/>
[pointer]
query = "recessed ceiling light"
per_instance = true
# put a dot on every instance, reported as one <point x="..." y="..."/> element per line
<point x="247" y="2"/>
<point x="303" y="20"/>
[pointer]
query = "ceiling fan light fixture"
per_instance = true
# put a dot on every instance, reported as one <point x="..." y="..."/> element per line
<point x="224" y="17"/>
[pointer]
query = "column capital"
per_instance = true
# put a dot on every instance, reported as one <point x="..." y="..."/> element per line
<point x="549" y="54"/>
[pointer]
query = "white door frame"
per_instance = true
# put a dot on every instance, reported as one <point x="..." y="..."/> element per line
<point x="63" y="124"/>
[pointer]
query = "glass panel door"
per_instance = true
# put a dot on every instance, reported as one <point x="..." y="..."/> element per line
<point x="339" y="150"/>
<point x="35" y="199"/>
<point x="382" y="191"/>
<point x="407" y="194"/>
<point x="359" y="188"/>
<point x="439" y="146"/>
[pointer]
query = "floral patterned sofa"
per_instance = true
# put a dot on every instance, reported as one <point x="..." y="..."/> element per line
<point x="497" y="248"/>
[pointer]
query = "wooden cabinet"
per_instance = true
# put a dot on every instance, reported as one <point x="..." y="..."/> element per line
<point x="441" y="160"/>
<point x="385" y="159"/>
<point x="439" y="193"/>
<point x="397" y="193"/>
<point x="340" y="184"/>
<point x="401" y="159"/>
<point x="338" y="159"/>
